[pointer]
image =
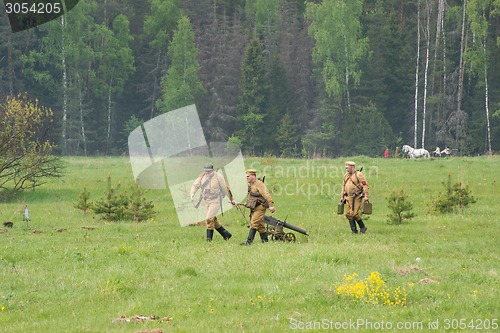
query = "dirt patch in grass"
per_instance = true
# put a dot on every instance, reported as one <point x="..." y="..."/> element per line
<point x="411" y="270"/>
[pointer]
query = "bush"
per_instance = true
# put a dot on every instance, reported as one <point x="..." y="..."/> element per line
<point x="399" y="206"/>
<point x="83" y="202"/>
<point x="455" y="198"/>
<point x="113" y="207"/>
<point x="116" y="207"/>
<point x="234" y="145"/>
<point x="26" y="159"/>
<point x="139" y="208"/>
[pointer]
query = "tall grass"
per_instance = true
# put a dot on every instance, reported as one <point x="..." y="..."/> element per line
<point x="81" y="273"/>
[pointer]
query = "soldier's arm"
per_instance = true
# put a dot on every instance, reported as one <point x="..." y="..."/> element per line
<point x="265" y="193"/>
<point x="224" y="188"/>
<point x="196" y="185"/>
<point x="363" y="182"/>
<point x="344" y="193"/>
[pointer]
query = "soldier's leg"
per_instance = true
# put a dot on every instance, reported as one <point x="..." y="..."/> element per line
<point x="210" y="229"/>
<point x="357" y="217"/>
<point x="352" y="224"/>
<point x="257" y="220"/>
<point x="212" y="208"/>
<point x="251" y="235"/>
<point x="256" y="224"/>
<point x="350" y="214"/>
<point x="362" y="226"/>
<point x="224" y="233"/>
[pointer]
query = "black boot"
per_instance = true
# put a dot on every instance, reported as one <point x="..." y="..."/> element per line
<point x="210" y="235"/>
<point x="263" y="237"/>
<point x="250" y="238"/>
<point x="353" y="226"/>
<point x="362" y="226"/>
<point x="224" y="233"/>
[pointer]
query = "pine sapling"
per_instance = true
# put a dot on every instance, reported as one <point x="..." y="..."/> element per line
<point x="113" y="206"/>
<point x="139" y="208"/>
<point x="457" y="196"/>
<point x="400" y="208"/>
<point x="83" y="202"/>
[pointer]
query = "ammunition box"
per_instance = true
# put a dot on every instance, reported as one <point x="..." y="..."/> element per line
<point x="367" y="207"/>
<point x="340" y="208"/>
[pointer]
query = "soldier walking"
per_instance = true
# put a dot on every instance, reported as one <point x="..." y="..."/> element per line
<point x="213" y="188"/>
<point x="258" y="200"/>
<point x="354" y="190"/>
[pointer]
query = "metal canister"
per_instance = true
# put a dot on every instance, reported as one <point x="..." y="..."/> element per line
<point x="340" y="208"/>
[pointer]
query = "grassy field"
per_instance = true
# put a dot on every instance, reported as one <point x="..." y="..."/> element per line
<point x="81" y="274"/>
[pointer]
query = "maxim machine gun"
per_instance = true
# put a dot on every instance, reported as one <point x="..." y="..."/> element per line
<point x="275" y="229"/>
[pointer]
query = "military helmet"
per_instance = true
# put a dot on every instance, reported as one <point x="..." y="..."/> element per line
<point x="208" y="167"/>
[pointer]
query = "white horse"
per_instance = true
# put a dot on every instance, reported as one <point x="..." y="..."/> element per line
<point x="415" y="153"/>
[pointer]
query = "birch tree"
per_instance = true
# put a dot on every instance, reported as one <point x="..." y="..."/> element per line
<point x="61" y="65"/>
<point x="417" y="67"/>
<point x="426" y="71"/>
<point x="457" y="120"/>
<point x="477" y="55"/>
<point x="336" y="28"/>
<point x="115" y="65"/>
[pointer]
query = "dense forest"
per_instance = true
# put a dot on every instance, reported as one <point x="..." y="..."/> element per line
<point x="282" y="77"/>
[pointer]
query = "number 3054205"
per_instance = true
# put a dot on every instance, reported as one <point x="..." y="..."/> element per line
<point x="44" y="7"/>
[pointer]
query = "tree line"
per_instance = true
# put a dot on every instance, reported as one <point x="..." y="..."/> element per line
<point x="282" y="77"/>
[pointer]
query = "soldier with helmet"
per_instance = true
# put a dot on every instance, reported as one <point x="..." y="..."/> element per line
<point x="354" y="190"/>
<point x="258" y="200"/>
<point x="213" y="188"/>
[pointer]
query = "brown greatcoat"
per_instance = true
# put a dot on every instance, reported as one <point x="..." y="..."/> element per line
<point x="354" y="189"/>
<point x="259" y="190"/>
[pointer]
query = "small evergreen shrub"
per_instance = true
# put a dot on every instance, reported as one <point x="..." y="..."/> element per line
<point x="139" y="208"/>
<point x="399" y="206"/>
<point x="115" y="206"/>
<point x="456" y="198"/>
<point x="83" y="202"/>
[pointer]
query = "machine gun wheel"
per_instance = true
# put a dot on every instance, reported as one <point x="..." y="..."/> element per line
<point x="289" y="237"/>
<point x="277" y="236"/>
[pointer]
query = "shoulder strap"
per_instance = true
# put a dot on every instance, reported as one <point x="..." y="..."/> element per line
<point x="202" y="186"/>
<point x="357" y="179"/>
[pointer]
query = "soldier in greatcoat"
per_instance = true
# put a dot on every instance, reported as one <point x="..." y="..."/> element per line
<point x="354" y="191"/>
<point x="213" y="188"/>
<point x="258" y="200"/>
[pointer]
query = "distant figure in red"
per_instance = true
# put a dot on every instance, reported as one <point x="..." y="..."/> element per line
<point x="386" y="153"/>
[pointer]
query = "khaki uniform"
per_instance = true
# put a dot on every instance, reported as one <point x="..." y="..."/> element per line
<point x="258" y="190"/>
<point x="353" y="194"/>
<point x="354" y="189"/>
<point x="211" y="195"/>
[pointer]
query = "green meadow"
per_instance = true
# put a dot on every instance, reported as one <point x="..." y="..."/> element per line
<point x="69" y="272"/>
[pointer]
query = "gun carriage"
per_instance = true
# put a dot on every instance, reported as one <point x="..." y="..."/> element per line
<point x="276" y="232"/>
